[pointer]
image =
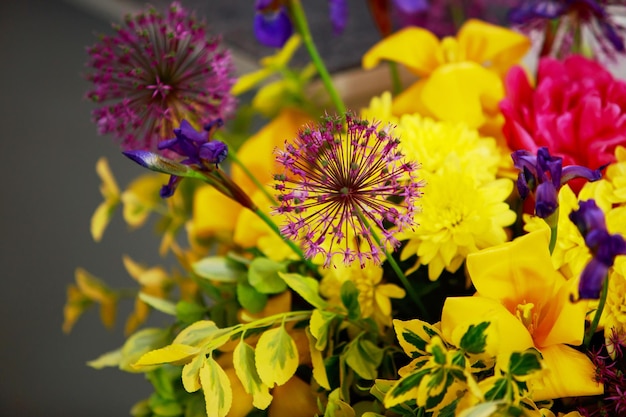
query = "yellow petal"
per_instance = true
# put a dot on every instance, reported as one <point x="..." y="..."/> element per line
<point x="410" y="101"/>
<point x="459" y="312"/>
<point x="413" y="47"/>
<point x="249" y="81"/>
<point x="109" y="186"/>
<point x="213" y="212"/>
<point x="458" y="92"/>
<point x="257" y="153"/>
<point x="569" y="373"/>
<point x="492" y="46"/>
<point x="518" y="270"/>
<point x="100" y="220"/>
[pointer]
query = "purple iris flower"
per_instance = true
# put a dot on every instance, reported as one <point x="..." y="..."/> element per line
<point x="273" y="26"/>
<point x="543" y="176"/>
<point x="604" y="247"/>
<point x="411" y="6"/>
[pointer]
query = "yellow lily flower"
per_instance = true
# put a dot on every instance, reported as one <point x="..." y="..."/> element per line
<point x="460" y="79"/>
<point x="528" y="305"/>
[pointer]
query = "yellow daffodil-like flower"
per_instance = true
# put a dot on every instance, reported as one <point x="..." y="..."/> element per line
<point x="528" y="303"/>
<point x="213" y="213"/>
<point x="112" y="198"/>
<point x="374" y="295"/>
<point x="89" y="290"/>
<point x="457" y="217"/>
<point x="379" y="109"/>
<point x="153" y="282"/>
<point x="460" y="79"/>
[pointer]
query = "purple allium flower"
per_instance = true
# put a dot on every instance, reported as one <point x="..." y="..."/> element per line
<point x="576" y="17"/>
<point x="611" y="372"/>
<point x="589" y="219"/>
<point x="272" y="23"/>
<point x="337" y="185"/>
<point x="156" y="71"/>
<point x="543" y="176"/>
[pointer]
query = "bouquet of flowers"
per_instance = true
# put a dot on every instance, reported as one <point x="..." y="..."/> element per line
<point x="454" y="246"/>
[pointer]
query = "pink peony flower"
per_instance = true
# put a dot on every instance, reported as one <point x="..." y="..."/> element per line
<point x="577" y="109"/>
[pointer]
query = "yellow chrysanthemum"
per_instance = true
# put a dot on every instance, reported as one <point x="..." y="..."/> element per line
<point x="380" y="109"/>
<point x="374" y="295"/>
<point x="458" y="217"/>
<point x="436" y="145"/>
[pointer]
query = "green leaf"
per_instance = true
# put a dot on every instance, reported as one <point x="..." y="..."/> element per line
<point x="523" y="364"/>
<point x="474" y="340"/>
<point x="112" y="358"/>
<point x="306" y="287"/>
<point x="263" y="275"/>
<point x="189" y="312"/>
<point x="218" y="394"/>
<point x="276" y="357"/>
<point x="320" y="325"/>
<point x="498" y="390"/>
<point x="164" y="306"/>
<point x="336" y="407"/>
<point x="350" y="299"/>
<point x="414" y="336"/>
<point x="364" y="357"/>
<point x="197" y="334"/>
<point x="194" y="407"/>
<point x="216" y="268"/>
<point x="245" y="368"/>
<point x="250" y="298"/>
<point x="141" y="343"/>
<point x="164" y="407"/>
<point x="407" y="388"/>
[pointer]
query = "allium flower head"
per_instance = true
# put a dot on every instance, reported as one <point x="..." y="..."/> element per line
<point x="341" y="190"/>
<point x="157" y="70"/>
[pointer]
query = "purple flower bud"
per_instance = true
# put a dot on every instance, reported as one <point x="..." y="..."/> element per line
<point x="214" y="151"/>
<point x="589" y="219"/>
<point x="273" y="28"/>
<point x="543" y="176"/>
<point x="338" y="10"/>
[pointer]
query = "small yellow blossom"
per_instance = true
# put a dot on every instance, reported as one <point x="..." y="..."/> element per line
<point x="153" y="281"/>
<point x="111" y="194"/>
<point x="614" y="313"/>
<point x="374" y="295"/>
<point x="89" y="290"/>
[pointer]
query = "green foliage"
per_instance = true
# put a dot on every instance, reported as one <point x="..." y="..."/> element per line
<point x="263" y="276"/>
<point x="475" y="340"/>
<point x="350" y="299"/>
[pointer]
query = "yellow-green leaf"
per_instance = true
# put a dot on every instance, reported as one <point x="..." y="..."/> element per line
<point x="197" y="334"/>
<point x="336" y="407"/>
<point x="414" y="335"/>
<point x="306" y="287"/>
<point x="320" y="324"/>
<point x="243" y="360"/>
<point x="276" y="357"/>
<point x="317" y="360"/>
<point x="175" y="354"/>
<point x="112" y="358"/>
<point x="140" y="343"/>
<point x="405" y="389"/>
<point x="218" y="394"/>
<point x="164" y="306"/>
<point x="364" y="357"/>
<point x="191" y="374"/>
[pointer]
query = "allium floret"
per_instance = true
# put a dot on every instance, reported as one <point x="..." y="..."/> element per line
<point x="157" y="70"/>
<point x="344" y="187"/>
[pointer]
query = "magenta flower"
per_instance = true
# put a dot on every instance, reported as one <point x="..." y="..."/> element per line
<point x="577" y="110"/>
<point x="156" y="71"/>
<point x="337" y="186"/>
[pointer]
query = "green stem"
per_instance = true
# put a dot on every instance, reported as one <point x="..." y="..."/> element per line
<point x="295" y="248"/>
<point x="396" y="268"/>
<point x="553" y="221"/>
<point x="396" y="84"/>
<point x="233" y="157"/>
<point x="596" y="318"/>
<point x="302" y="27"/>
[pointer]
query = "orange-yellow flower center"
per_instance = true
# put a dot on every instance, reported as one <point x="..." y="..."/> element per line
<point x="524" y="312"/>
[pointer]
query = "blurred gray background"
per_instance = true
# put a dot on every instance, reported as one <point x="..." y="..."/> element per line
<point x="48" y="152"/>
